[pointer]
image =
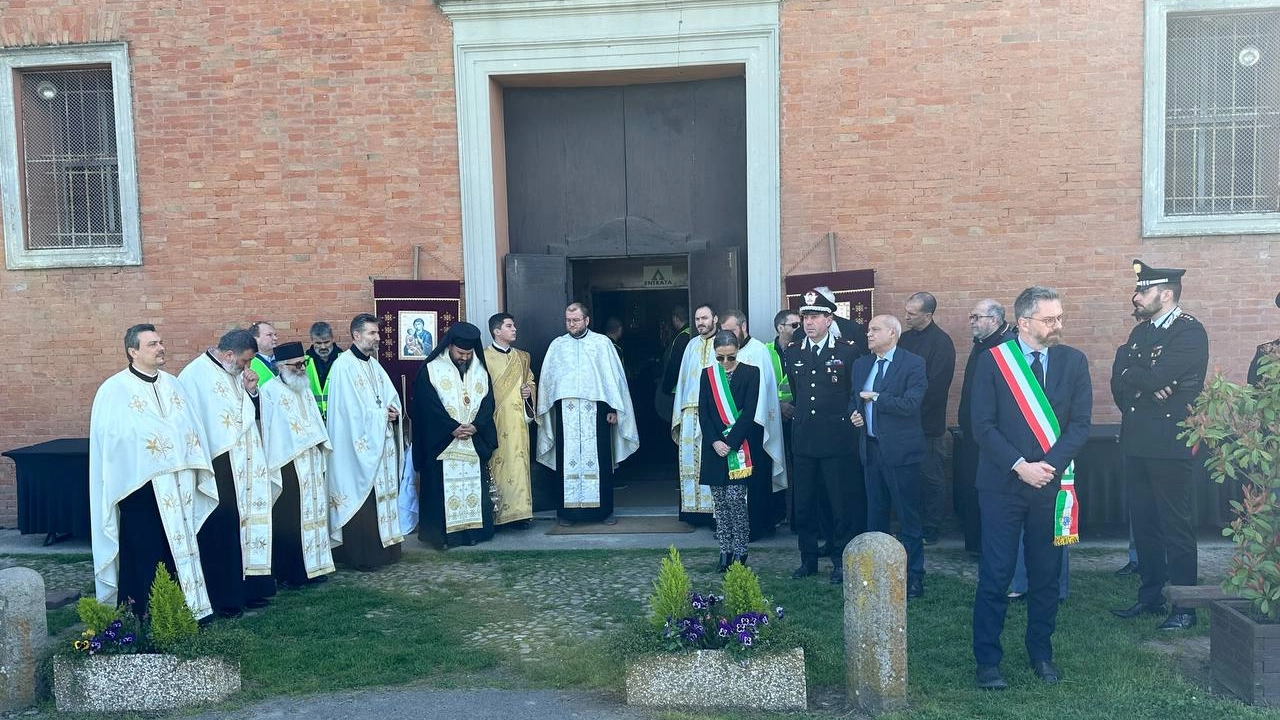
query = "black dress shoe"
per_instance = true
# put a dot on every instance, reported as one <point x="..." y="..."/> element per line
<point x="1047" y="671"/>
<point x="837" y="575"/>
<point x="1130" y="568"/>
<point x="805" y="571"/>
<point x="740" y="559"/>
<point x="725" y="559"/>
<point x="915" y="588"/>
<point x="988" y="678"/>
<point x="1179" y="621"/>
<point x="1139" y="609"/>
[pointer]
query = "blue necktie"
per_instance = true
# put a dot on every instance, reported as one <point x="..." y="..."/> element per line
<point x="876" y="384"/>
<point x="1037" y="367"/>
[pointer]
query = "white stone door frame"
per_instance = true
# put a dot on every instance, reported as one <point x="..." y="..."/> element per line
<point x="503" y="38"/>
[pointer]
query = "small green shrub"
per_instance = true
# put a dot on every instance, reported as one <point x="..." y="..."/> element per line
<point x="172" y="623"/>
<point x="96" y="616"/>
<point x="742" y="591"/>
<point x="671" y="591"/>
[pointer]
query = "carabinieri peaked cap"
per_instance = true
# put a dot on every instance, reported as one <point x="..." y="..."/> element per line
<point x="1148" y="276"/>
<point x="819" y="300"/>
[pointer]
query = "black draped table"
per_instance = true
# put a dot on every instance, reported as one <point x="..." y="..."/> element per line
<point x="53" y="488"/>
<point x="1100" y="485"/>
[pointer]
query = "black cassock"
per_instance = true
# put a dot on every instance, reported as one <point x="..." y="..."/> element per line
<point x="432" y="433"/>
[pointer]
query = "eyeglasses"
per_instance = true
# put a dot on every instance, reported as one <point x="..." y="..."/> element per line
<point x="1050" y="321"/>
<point x="726" y="358"/>
<point x="976" y="318"/>
<point x="299" y="364"/>
<point x="792" y="325"/>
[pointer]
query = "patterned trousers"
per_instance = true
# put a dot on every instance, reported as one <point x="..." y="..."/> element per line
<point x="732" y="525"/>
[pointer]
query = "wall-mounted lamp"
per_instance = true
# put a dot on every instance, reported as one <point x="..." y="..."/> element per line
<point x="47" y="90"/>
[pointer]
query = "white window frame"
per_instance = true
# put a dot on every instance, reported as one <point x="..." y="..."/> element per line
<point x="1155" y="223"/>
<point x="17" y="256"/>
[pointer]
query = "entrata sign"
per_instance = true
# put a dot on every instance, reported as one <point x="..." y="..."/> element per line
<point x="658" y="276"/>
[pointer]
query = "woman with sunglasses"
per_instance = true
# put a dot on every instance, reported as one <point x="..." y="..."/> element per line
<point x="731" y="439"/>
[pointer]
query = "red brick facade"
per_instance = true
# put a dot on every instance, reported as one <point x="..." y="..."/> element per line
<point x="288" y="151"/>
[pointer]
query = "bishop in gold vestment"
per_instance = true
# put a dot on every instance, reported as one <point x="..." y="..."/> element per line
<point x="514" y="401"/>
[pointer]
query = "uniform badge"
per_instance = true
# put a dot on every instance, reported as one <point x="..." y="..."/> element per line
<point x="1155" y="353"/>
<point x="810" y="298"/>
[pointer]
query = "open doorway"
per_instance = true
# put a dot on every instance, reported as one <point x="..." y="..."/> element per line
<point x="636" y="297"/>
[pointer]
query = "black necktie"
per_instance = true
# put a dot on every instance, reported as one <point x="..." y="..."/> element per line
<point x="817" y="349"/>
<point x="1037" y="367"/>
<point x="878" y="382"/>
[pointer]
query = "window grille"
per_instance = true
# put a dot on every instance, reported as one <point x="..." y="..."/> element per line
<point x="1222" y="120"/>
<point x="69" y="159"/>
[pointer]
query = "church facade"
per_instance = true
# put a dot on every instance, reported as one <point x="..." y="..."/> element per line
<point x="203" y="165"/>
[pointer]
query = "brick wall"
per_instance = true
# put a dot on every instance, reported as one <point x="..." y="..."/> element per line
<point x="286" y="151"/>
<point x="974" y="148"/>
<point x="289" y="150"/>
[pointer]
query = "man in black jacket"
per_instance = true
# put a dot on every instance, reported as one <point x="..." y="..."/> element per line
<point x="989" y="329"/>
<point x="827" y="471"/>
<point x="924" y="338"/>
<point x="1271" y="348"/>
<point x="1157" y="374"/>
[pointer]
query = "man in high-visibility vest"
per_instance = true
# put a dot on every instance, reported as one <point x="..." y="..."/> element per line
<point x="323" y="352"/>
<point x="264" y="362"/>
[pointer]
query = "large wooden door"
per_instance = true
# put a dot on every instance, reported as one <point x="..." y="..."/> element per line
<point x="536" y="289"/>
<point x="626" y="170"/>
<point x="714" y="279"/>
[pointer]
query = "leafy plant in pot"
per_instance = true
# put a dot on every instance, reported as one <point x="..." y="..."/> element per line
<point x="1236" y="429"/>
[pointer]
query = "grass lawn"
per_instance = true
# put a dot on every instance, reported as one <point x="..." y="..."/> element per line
<point x="544" y="619"/>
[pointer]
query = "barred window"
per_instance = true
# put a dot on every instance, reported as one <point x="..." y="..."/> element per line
<point x="70" y="194"/>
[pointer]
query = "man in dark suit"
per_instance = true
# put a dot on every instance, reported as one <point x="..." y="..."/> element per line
<point x="1021" y="460"/>
<point x="889" y="388"/>
<point x="1270" y="349"/>
<point x="989" y="329"/>
<point x="822" y="439"/>
<point x="1156" y="376"/>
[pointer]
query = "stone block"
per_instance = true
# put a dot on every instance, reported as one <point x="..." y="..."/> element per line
<point x="875" y="622"/>
<point x="717" y="679"/>
<point x="144" y="683"/>
<point x="58" y="598"/>
<point x="24" y="632"/>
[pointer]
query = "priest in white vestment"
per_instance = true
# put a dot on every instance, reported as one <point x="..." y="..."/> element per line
<point x="151" y="484"/>
<point x="235" y="543"/>
<point x="586" y="423"/>
<point x="696" y="504"/>
<point x="766" y="492"/>
<point x="364" y="470"/>
<point x="297" y="447"/>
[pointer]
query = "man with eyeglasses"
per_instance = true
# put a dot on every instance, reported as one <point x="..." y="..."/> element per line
<point x="989" y="329"/>
<point x="297" y="446"/>
<point x="827" y="470"/>
<point x="1156" y="376"/>
<point x="923" y="337"/>
<point x="1031" y="405"/>
<point x="586" y="422"/>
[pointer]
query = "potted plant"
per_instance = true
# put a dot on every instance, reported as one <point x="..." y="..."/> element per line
<point x="709" y="650"/>
<point x="123" y="662"/>
<point x="1239" y="427"/>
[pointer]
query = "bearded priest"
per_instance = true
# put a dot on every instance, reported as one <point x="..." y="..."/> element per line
<point x="151" y="485"/>
<point x="235" y="543"/>
<point x="453" y="439"/>
<point x="297" y="446"/>
<point x="364" y="470"/>
<point x="586" y="423"/>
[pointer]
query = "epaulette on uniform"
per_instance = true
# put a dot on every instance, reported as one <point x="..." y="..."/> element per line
<point x="1184" y="317"/>
<point x="842" y="341"/>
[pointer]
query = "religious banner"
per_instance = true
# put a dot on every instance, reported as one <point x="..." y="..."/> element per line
<point x="413" y="316"/>
<point x="854" y="291"/>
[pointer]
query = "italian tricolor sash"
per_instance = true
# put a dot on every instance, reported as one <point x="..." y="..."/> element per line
<point x="1044" y="425"/>
<point x="739" y="460"/>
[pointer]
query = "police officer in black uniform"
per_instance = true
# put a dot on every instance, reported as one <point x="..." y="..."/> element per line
<point x="823" y="443"/>
<point x="1272" y="348"/>
<point x="1157" y="374"/>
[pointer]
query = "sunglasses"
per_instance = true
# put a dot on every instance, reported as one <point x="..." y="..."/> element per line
<point x="726" y="358"/>
<point x="793" y="325"/>
<point x="298" y="363"/>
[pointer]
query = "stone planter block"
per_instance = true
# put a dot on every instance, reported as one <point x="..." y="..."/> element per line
<point x="23" y="635"/>
<point x="715" y="679"/>
<point x="1244" y="656"/>
<point x="105" y="683"/>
